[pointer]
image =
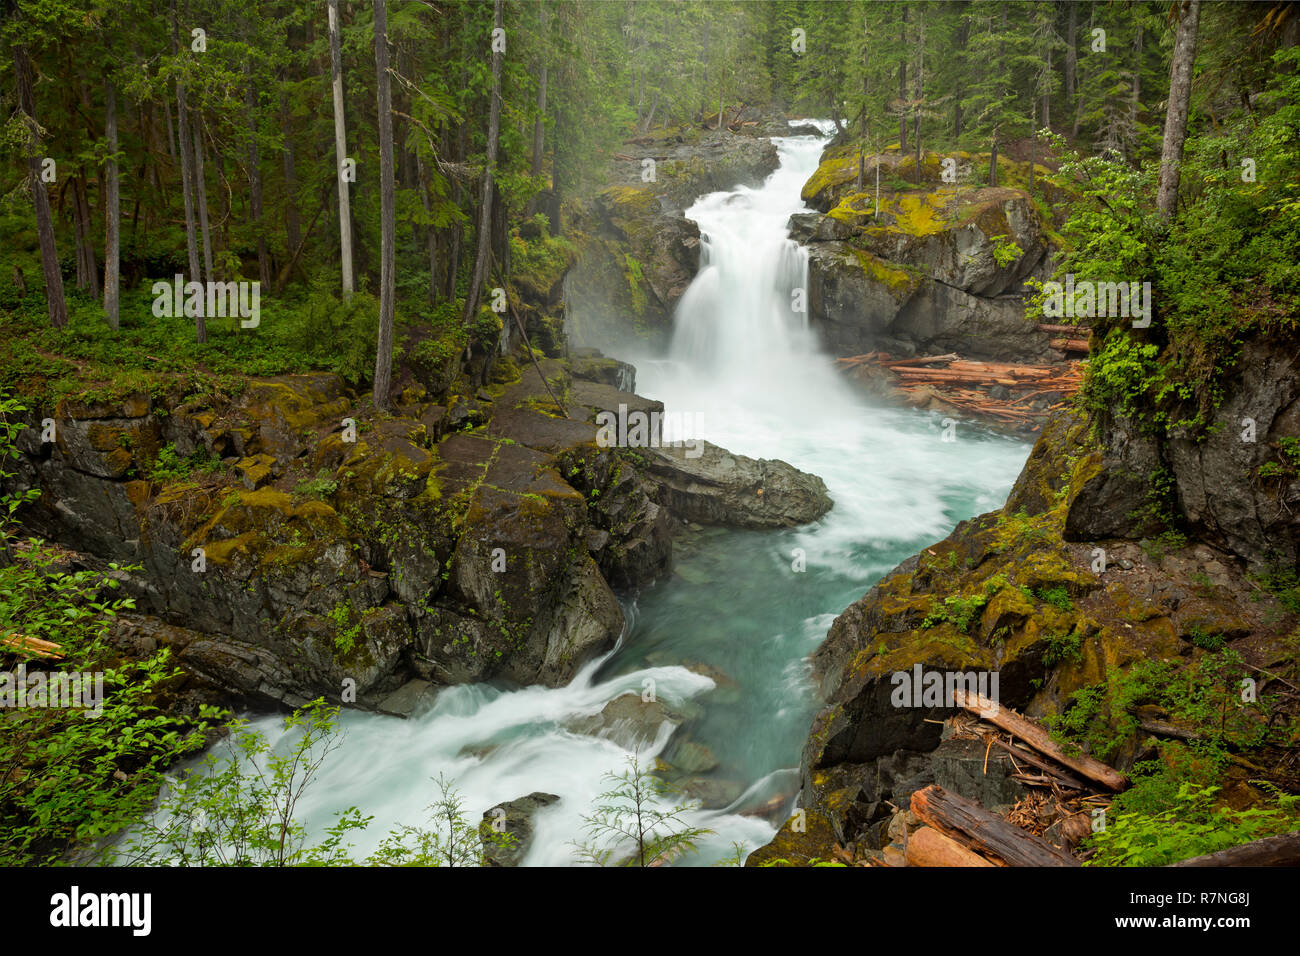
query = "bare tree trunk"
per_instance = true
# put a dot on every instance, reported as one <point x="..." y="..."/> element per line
<point x="475" y="291"/>
<point x="1135" y="104"/>
<point x="430" y="233"/>
<point x="171" y="133"/>
<point x="201" y="194"/>
<point x="87" y="271"/>
<point x="112" y="210"/>
<point x="1180" y="92"/>
<point x="1078" y="100"/>
<point x="292" y="225"/>
<point x="539" y="127"/>
<point x="993" y="161"/>
<point x="58" y="306"/>
<point x="387" y="216"/>
<point x="187" y="182"/>
<point x="1071" y="53"/>
<point x="255" y="179"/>
<point x="902" y="83"/>
<point x="340" y="149"/>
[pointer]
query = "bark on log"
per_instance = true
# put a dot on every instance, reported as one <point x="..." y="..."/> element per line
<point x="1282" y="850"/>
<point x="982" y="830"/>
<point x="928" y="847"/>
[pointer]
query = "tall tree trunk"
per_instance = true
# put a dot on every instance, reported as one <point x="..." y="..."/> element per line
<point x="292" y="224"/>
<point x="430" y="233"/>
<point x="255" y="179"/>
<point x="171" y="133"/>
<point x="201" y="195"/>
<point x="1071" y="52"/>
<point x="902" y="83"/>
<point x="1078" y="99"/>
<point x="475" y="291"/>
<point x="112" y="210"/>
<point x="1047" y="94"/>
<point x="387" y="214"/>
<point x="340" y="148"/>
<point x="87" y="277"/>
<point x="539" y="127"/>
<point x="1135" y="104"/>
<point x="993" y="161"/>
<point x="1180" y="93"/>
<point x="57" y="305"/>
<point x="186" y="147"/>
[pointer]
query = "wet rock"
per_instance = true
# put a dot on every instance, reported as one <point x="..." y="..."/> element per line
<point x="690" y="756"/>
<point x="513" y="820"/>
<point x="721" y="488"/>
<point x="411" y="698"/>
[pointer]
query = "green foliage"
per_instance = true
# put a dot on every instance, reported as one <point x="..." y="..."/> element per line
<point x="958" y="611"/>
<point x="70" y="776"/>
<point x="169" y="466"/>
<point x="1203" y="696"/>
<point x="452" y="840"/>
<point x="237" y="808"/>
<point x="1061" y="648"/>
<point x="322" y="486"/>
<point x="634" y="825"/>
<point x="1005" y="252"/>
<point x="1193" y="825"/>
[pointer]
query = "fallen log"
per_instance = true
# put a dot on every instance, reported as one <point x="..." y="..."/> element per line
<point x="1036" y="737"/>
<point x="1036" y="761"/>
<point x="33" y="645"/>
<point x="1069" y="345"/>
<point x="920" y="360"/>
<point x="984" y="831"/>
<point x="1071" y="330"/>
<point x="1281" y="850"/>
<point x="928" y="847"/>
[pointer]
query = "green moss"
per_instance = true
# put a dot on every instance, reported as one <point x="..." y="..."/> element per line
<point x="900" y="282"/>
<point x="834" y="171"/>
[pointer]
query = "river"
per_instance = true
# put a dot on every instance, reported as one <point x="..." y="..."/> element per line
<point x="725" y="638"/>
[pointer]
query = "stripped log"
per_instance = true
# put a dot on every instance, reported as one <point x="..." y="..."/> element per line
<point x="920" y="360"/>
<point x="984" y="831"/>
<point x="1036" y="737"/>
<point x="1281" y="850"/>
<point x="928" y="847"/>
<point x="1070" y="345"/>
<point x="33" y="645"/>
<point x="1071" y="330"/>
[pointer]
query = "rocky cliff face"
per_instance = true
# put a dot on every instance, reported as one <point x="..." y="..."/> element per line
<point x="931" y="270"/>
<point x="1022" y="593"/>
<point x="637" y="254"/>
<point x="1234" y="486"/>
<point x="319" y="548"/>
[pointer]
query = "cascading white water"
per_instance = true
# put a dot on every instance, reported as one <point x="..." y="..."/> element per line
<point x="743" y="362"/>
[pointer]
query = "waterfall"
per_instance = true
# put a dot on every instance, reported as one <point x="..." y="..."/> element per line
<point x="725" y="639"/>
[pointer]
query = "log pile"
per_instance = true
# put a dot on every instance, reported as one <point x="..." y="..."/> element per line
<point x="942" y="828"/>
<point x="965" y="386"/>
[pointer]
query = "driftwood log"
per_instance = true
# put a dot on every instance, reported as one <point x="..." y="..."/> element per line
<point x="984" y="831"/>
<point x="928" y="847"/>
